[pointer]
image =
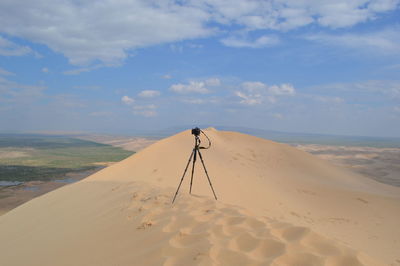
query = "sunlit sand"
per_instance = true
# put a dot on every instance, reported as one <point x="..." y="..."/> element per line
<point x="276" y="205"/>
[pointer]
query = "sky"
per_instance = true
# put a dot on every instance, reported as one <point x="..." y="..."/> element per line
<point x="120" y="67"/>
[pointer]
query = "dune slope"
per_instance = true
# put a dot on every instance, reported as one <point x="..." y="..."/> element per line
<point x="277" y="205"/>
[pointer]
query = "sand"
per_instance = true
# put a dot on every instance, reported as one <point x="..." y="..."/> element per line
<point x="276" y="205"/>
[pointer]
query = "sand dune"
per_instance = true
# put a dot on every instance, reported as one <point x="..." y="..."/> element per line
<point x="277" y="206"/>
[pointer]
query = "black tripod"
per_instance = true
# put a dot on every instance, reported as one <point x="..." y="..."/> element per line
<point x="196" y="150"/>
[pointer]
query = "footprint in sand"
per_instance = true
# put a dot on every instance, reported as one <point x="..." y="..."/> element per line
<point x="343" y="260"/>
<point x="145" y="225"/>
<point x="300" y="259"/>
<point x="320" y="245"/>
<point x="245" y="242"/>
<point x="185" y="240"/>
<point x="291" y="233"/>
<point x="363" y="200"/>
<point x="230" y="257"/>
<point x="269" y="249"/>
<point x="219" y="234"/>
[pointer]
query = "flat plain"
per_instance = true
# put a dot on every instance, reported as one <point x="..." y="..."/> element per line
<point x="31" y="165"/>
<point x="380" y="164"/>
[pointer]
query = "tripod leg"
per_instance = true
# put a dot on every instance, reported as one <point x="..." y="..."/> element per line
<point x="180" y="183"/>
<point x="205" y="169"/>
<point x="194" y="162"/>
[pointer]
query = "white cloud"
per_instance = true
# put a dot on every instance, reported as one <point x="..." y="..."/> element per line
<point x="328" y="99"/>
<point x="78" y="71"/>
<point x="70" y="101"/>
<point x="386" y="41"/>
<point x="4" y="72"/>
<point x="19" y="93"/>
<point x="263" y="41"/>
<point x="45" y="70"/>
<point x="253" y="86"/>
<point x="144" y="107"/>
<point x="396" y="109"/>
<point x="196" y="86"/>
<point x="8" y="48"/>
<point x="141" y="110"/>
<point x="192" y="87"/>
<point x="146" y="113"/>
<point x="277" y="116"/>
<point x="389" y="88"/>
<point x="383" y="5"/>
<point x="109" y="30"/>
<point x="212" y="82"/>
<point x="193" y="101"/>
<point x="255" y="92"/>
<point x="149" y="93"/>
<point x="208" y="100"/>
<point x="84" y="31"/>
<point x="249" y="99"/>
<point x="127" y="100"/>
<point x="166" y="76"/>
<point x="100" y="114"/>
<point x="283" y="89"/>
<point x="176" y="48"/>
<point x="145" y="110"/>
<point x="289" y="14"/>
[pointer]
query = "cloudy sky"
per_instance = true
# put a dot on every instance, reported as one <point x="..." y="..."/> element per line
<point x="117" y="66"/>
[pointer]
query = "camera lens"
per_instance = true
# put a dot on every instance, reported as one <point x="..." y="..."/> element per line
<point x="196" y="131"/>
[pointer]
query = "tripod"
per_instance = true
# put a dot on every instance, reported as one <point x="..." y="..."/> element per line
<point x="196" y="150"/>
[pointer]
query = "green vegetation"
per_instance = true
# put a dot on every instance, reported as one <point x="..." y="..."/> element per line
<point x="37" y="157"/>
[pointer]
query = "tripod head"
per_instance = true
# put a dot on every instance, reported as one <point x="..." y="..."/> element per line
<point x="196" y="132"/>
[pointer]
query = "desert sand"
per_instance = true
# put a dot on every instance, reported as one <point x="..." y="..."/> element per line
<point x="277" y="205"/>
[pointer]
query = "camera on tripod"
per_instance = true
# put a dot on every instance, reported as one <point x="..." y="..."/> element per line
<point x="196" y="151"/>
<point x="196" y="131"/>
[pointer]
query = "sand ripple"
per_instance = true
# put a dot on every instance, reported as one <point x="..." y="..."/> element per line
<point x="205" y="232"/>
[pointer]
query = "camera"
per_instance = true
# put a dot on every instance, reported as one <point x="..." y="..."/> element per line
<point x="196" y="131"/>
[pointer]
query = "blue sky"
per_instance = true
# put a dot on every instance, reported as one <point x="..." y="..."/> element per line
<point x="125" y="66"/>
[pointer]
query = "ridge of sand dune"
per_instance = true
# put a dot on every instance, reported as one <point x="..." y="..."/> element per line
<point x="276" y="205"/>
